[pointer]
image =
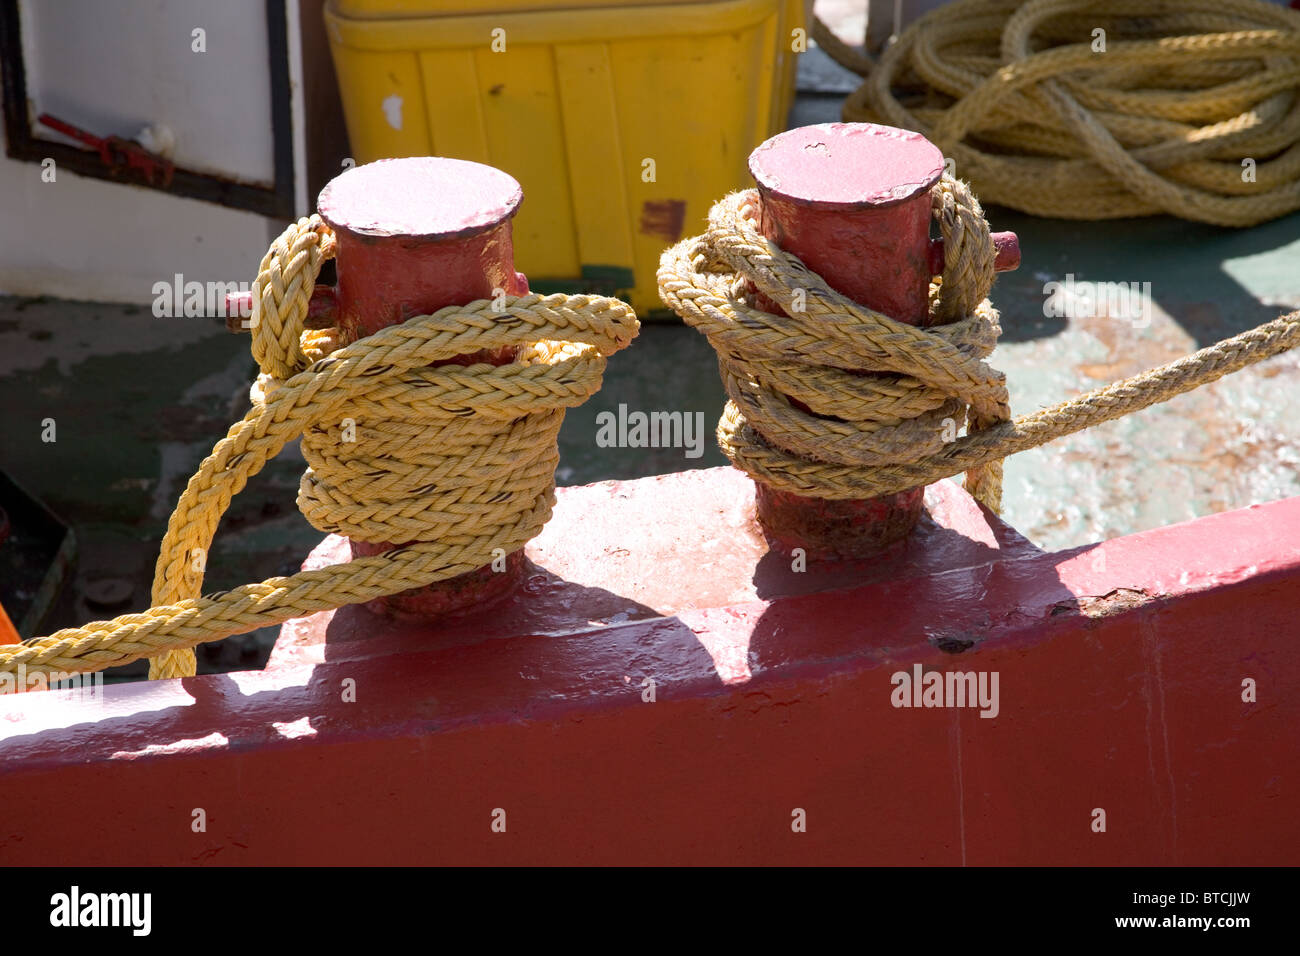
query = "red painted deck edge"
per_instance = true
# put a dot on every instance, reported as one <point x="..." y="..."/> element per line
<point x="1135" y="709"/>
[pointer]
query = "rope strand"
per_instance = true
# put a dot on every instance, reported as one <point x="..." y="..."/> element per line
<point x="1098" y="109"/>
<point x="887" y="433"/>
<point x="459" y="459"/>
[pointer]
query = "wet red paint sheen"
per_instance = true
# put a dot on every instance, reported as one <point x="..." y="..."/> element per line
<point x="852" y="201"/>
<point x="415" y="235"/>
<point x="583" y="568"/>
<point x="762" y="707"/>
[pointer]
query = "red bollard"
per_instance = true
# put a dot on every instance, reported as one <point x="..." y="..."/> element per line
<point x="852" y="200"/>
<point x="415" y="235"/>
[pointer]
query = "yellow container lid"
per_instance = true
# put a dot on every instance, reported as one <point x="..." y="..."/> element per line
<point x="394" y="9"/>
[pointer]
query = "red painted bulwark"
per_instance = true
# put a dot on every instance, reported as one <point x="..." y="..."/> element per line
<point x="1120" y="667"/>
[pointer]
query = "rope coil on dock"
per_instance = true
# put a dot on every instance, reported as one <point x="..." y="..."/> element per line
<point x="864" y="437"/>
<point x="458" y="459"/>
<point x="1098" y="109"/>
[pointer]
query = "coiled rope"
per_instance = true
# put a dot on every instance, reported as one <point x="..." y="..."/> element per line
<point x="1186" y="107"/>
<point x="460" y="460"/>
<point x="867" y="436"/>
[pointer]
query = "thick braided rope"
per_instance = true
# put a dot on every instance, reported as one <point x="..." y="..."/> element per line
<point x="1159" y="122"/>
<point x="876" y="435"/>
<point x="459" y="459"/>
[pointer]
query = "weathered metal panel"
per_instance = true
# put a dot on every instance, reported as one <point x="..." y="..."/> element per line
<point x="1121" y="688"/>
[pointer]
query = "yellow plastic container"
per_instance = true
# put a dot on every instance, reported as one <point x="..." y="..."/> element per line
<point x="623" y="122"/>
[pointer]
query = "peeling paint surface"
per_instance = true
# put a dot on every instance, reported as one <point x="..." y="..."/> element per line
<point x="1230" y="444"/>
<point x="392" y="107"/>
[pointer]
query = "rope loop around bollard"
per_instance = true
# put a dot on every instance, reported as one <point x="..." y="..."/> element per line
<point x="458" y="459"/>
<point x="926" y="381"/>
<point x="869" y="436"/>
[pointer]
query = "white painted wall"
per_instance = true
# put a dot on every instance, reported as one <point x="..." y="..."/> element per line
<point x="88" y="239"/>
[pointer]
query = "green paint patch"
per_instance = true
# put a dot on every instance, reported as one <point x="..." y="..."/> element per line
<point x="111" y="418"/>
